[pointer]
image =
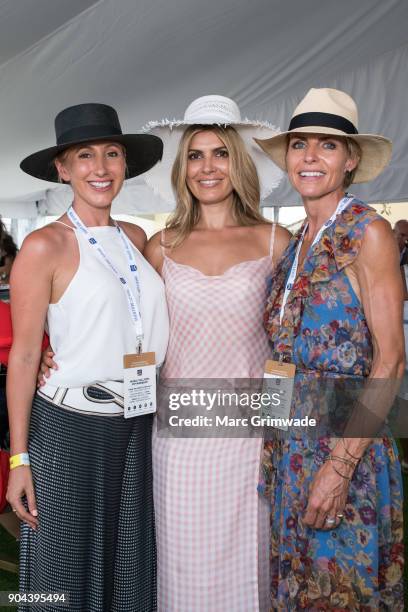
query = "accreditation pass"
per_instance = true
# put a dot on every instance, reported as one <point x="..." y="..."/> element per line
<point x="279" y="379"/>
<point x="139" y="384"/>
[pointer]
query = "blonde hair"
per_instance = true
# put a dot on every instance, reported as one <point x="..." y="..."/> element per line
<point x="354" y="152"/>
<point x="243" y="176"/>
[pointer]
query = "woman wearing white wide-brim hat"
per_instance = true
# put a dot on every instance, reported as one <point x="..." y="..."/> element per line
<point x="215" y="258"/>
<point x="335" y="312"/>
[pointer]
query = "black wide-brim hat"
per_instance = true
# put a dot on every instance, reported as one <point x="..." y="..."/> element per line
<point x="85" y="123"/>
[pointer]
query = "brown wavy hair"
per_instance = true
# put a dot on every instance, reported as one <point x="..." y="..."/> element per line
<point x="7" y="245"/>
<point x="243" y="175"/>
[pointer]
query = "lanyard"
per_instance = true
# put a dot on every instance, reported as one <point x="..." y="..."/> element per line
<point x="133" y="304"/>
<point x="344" y="202"/>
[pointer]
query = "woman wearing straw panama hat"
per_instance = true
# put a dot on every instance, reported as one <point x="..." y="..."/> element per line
<point x="336" y="501"/>
<point x="81" y="478"/>
<point x="215" y="258"/>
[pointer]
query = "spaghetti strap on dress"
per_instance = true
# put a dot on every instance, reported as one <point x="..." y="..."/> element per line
<point x="66" y="224"/>
<point x="272" y="240"/>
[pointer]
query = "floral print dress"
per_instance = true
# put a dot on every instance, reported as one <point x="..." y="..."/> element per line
<point x="359" y="564"/>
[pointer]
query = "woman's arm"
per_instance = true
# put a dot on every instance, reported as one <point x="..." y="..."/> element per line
<point x="376" y="272"/>
<point x="282" y="238"/>
<point x="30" y="291"/>
<point x="380" y="289"/>
<point x="154" y="252"/>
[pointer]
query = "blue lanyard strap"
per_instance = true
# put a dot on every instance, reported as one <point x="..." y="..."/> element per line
<point x="133" y="302"/>
<point x="344" y="202"/>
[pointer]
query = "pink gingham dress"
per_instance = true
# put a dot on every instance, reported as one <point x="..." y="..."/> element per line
<point x="211" y="526"/>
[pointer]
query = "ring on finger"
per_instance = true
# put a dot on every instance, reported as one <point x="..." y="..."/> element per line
<point x="330" y="520"/>
<point x="340" y="516"/>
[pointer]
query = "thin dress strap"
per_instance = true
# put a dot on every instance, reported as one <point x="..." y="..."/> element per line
<point x="272" y="240"/>
<point x="163" y="241"/>
<point x="66" y="224"/>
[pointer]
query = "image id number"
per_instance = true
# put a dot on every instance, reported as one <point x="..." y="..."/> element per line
<point x="12" y="599"/>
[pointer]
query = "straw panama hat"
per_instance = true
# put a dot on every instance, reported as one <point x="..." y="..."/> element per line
<point x="331" y="111"/>
<point x="210" y="110"/>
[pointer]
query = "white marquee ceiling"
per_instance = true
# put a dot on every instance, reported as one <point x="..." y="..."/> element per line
<point x="150" y="58"/>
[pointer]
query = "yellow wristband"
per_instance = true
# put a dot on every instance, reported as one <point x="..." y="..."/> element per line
<point x="20" y="459"/>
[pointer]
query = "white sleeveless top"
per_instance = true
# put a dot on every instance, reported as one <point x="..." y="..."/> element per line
<point x="90" y="327"/>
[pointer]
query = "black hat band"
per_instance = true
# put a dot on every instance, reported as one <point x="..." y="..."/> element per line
<point x="87" y="133"/>
<point x="323" y="120"/>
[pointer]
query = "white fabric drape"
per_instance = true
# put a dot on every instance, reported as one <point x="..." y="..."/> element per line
<point x="150" y="58"/>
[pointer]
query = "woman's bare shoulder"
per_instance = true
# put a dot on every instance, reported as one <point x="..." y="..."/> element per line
<point x="379" y="230"/>
<point x="153" y="251"/>
<point x="135" y="233"/>
<point x="379" y="249"/>
<point x="283" y="232"/>
<point x="281" y="237"/>
<point x="155" y="239"/>
<point x="263" y="231"/>
<point x="45" y="240"/>
<point x="280" y="231"/>
<point x="40" y="254"/>
<point x="161" y="239"/>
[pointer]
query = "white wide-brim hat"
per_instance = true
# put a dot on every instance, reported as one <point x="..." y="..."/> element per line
<point x="210" y="110"/>
<point x="332" y="112"/>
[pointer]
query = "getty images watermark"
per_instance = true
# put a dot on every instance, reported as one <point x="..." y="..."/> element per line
<point x="266" y="405"/>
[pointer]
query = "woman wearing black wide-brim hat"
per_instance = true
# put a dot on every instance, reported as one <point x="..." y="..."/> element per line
<point x="84" y="469"/>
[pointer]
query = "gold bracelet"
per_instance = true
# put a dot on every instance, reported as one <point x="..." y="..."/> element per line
<point x="337" y="472"/>
<point x="342" y="460"/>
<point x="348" y="452"/>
